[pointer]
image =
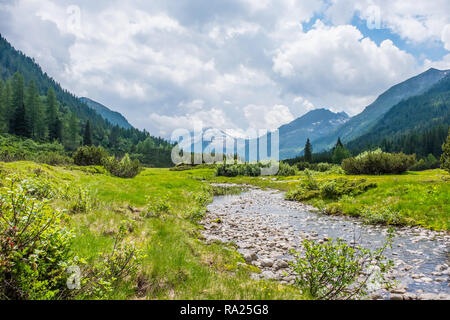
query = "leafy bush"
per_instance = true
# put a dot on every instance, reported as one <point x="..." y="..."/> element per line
<point x="80" y="201"/>
<point x="34" y="245"/>
<point x="334" y="189"/>
<point x="334" y="270"/>
<point x="89" y="156"/>
<point x="381" y="214"/>
<point x="301" y="166"/>
<point x="125" y="168"/>
<point x="98" y="281"/>
<point x="54" y="159"/>
<point x="234" y="170"/>
<point x="13" y="148"/>
<point x="157" y="207"/>
<point x="286" y="170"/>
<point x="430" y="162"/>
<point x="378" y="162"/>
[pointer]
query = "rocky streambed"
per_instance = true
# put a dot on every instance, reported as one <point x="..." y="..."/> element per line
<point x="265" y="227"/>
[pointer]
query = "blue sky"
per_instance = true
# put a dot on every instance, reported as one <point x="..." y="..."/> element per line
<point x="229" y="64"/>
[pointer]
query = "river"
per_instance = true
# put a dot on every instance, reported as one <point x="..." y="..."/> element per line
<point x="265" y="227"/>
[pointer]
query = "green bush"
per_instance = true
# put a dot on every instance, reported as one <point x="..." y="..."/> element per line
<point x="89" y="156"/>
<point x="34" y="245"/>
<point x="125" y="168"/>
<point x="286" y="170"/>
<point x="430" y="162"/>
<point x="334" y="270"/>
<point x="378" y="162"/>
<point x="381" y="214"/>
<point x="331" y="190"/>
<point x="13" y="148"/>
<point x="54" y="159"/>
<point x="234" y="170"/>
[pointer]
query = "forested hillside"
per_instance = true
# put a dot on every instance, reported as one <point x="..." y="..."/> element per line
<point x="417" y="125"/>
<point x="33" y="105"/>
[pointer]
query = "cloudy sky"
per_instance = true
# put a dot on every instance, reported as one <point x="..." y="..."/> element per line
<point x="229" y="64"/>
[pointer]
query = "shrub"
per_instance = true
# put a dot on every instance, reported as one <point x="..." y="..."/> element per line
<point x="125" y="168"/>
<point x="286" y="170"/>
<point x="34" y="245"/>
<point x="301" y="166"/>
<point x="333" y="189"/>
<point x="445" y="157"/>
<point x="157" y="207"/>
<point x="54" y="159"/>
<point x="334" y="270"/>
<point x="234" y="170"/>
<point x="14" y="148"/>
<point x="89" y="156"/>
<point x="378" y="162"/>
<point x="98" y="281"/>
<point x="430" y="162"/>
<point x="381" y="214"/>
<point x="80" y="201"/>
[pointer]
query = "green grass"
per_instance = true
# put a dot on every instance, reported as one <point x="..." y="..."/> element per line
<point x="419" y="198"/>
<point x="179" y="265"/>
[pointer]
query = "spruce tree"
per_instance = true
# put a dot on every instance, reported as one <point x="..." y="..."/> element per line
<point x="53" y="121"/>
<point x="308" y="151"/>
<point x="3" y="114"/>
<point x="31" y="107"/>
<point x="73" y="138"/>
<point x="18" y="123"/>
<point x="87" y="138"/>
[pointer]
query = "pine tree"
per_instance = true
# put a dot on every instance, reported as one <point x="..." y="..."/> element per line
<point x="308" y="151"/>
<point x="32" y="109"/>
<point x="53" y="121"/>
<point x="445" y="157"/>
<point x="18" y="123"/>
<point x="3" y="114"/>
<point x="87" y="138"/>
<point x="73" y="138"/>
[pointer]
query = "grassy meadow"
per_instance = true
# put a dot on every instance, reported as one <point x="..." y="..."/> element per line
<point x="178" y="264"/>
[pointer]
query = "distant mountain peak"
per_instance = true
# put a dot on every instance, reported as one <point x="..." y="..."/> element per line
<point x="113" y="117"/>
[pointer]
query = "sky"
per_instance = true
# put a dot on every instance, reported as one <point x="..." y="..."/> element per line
<point x="229" y="64"/>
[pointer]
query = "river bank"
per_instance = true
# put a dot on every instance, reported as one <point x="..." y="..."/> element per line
<point x="265" y="227"/>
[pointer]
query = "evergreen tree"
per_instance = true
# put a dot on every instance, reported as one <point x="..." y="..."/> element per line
<point x="3" y="114"/>
<point x="308" y="151"/>
<point x="53" y="121"/>
<point x="445" y="157"/>
<point x="73" y="137"/>
<point x="32" y="109"/>
<point x="87" y="138"/>
<point x="18" y="123"/>
<point x="40" y="123"/>
<point x="340" y="152"/>
<point x="7" y="103"/>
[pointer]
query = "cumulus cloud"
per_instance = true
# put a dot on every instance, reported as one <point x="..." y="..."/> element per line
<point x="230" y="64"/>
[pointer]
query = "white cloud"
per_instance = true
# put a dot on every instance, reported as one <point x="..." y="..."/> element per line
<point x="232" y="64"/>
<point x="445" y="37"/>
<point x="264" y="117"/>
<point x="337" y="60"/>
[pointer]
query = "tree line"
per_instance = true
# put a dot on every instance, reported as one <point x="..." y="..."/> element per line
<point x="42" y="118"/>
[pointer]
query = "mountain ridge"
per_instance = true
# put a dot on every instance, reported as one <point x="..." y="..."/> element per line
<point x="114" y="117"/>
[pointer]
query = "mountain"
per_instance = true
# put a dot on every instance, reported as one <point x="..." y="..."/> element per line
<point x="113" y="117"/>
<point x="118" y="140"/>
<point x="427" y="112"/>
<point x="365" y="121"/>
<point x="313" y="125"/>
